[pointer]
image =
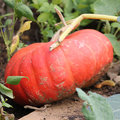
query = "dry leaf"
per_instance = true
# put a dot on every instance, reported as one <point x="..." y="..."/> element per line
<point x="26" y="26"/>
<point x="113" y="72"/>
<point x="106" y="82"/>
<point x="25" y="37"/>
<point x="15" y="42"/>
<point x="117" y="80"/>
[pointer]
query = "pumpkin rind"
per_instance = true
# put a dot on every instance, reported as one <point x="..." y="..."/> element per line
<point x="54" y="75"/>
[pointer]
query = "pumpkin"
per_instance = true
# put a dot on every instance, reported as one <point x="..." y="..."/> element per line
<point x="79" y="61"/>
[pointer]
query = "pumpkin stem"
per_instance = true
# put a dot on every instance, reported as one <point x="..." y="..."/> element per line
<point x="77" y="21"/>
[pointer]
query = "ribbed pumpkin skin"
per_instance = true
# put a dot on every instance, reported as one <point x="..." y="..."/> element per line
<point x="55" y="74"/>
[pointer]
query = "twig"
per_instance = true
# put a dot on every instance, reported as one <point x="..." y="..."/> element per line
<point x="36" y="108"/>
<point x="61" y="17"/>
<point x="60" y="31"/>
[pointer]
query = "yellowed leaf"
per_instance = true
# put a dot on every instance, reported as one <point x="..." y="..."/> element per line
<point x="106" y="82"/>
<point x="26" y="26"/>
<point x="15" y="42"/>
<point x="25" y="37"/>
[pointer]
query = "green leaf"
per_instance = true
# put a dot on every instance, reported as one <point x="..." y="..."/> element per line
<point x="51" y="8"/>
<point x="56" y="6"/>
<point x="10" y="3"/>
<point x="15" y="80"/>
<point x="4" y="104"/>
<point x="48" y="8"/>
<point x="116" y="25"/>
<point x="20" y="9"/>
<point x="8" y="22"/>
<point x="39" y="1"/>
<point x="114" y="101"/>
<point x="24" y="10"/>
<point x="115" y="43"/>
<point x="44" y="8"/>
<point x="50" y="33"/>
<point x="108" y="7"/>
<point x="68" y="6"/>
<point x="43" y="17"/>
<point x="6" y="91"/>
<point x="99" y="107"/>
<point x="56" y="2"/>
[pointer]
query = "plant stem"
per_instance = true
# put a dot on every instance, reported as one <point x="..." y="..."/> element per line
<point x="4" y="35"/>
<point x="77" y="21"/>
<point x="12" y="31"/>
<point x="9" y="14"/>
<point x="116" y="31"/>
<point x="99" y="25"/>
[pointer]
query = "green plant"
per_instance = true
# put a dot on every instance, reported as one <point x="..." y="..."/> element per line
<point x="7" y="27"/>
<point x="13" y="42"/>
<point x="95" y="106"/>
<point x="47" y="17"/>
<point x="6" y="30"/>
<point x="111" y="30"/>
<point x="14" y="80"/>
<point x="8" y="92"/>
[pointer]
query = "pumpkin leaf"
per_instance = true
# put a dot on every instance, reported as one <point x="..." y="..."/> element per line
<point x="115" y="43"/>
<point x="6" y="91"/>
<point x="15" y="80"/>
<point x="26" y="26"/>
<point x="114" y="101"/>
<point x="99" y="107"/>
<point x="108" y="7"/>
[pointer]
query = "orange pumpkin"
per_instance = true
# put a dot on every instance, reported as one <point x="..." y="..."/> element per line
<point x="54" y="75"/>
